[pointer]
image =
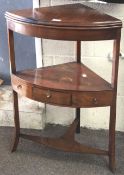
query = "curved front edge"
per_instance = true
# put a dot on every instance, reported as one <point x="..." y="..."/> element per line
<point x="63" y="33"/>
<point x="61" y="97"/>
<point x="21" y="87"/>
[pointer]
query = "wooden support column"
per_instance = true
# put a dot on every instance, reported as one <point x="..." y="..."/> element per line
<point x="15" y="95"/>
<point x="112" y="122"/>
<point x="78" y="61"/>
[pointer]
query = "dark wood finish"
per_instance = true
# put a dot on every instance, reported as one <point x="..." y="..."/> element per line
<point x="16" y="121"/>
<point x="11" y="52"/>
<point x="65" y="145"/>
<point x="78" y="51"/>
<point x="78" y="61"/>
<point x="64" y="85"/>
<point x="21" y="87"/>
<point x="52" y="97"/>
<point x="92" y="99"/>
<point x="70" y="84"/>
<point x="58" y="33"/>
<point x="15" y="95"/>
<point x="112" y="123"/>
<point x="70" y="76"/>
<point x="78" y="116"/>
<point x="66" y="142"/>
<point x="71" y="15"/>
<point x="62" y="22"/>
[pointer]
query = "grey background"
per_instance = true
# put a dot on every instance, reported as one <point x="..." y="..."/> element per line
<point x="24" y="46"/>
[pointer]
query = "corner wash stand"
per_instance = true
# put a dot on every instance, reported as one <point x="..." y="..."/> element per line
<point x="71" y="84"/>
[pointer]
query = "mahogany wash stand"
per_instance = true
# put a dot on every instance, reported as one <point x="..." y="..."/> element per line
<point x="70" y="84"/>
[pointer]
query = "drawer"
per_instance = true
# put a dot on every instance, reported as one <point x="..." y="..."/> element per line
<point x="92" y="99"/>
<point x="52" y="97"/>
<point x="21" y="87"/>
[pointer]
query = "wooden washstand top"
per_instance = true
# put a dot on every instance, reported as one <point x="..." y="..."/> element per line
<point x="72" y="15"/>
<point x="64" y="17"/>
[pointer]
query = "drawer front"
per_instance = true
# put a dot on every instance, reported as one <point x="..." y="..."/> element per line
<point x="52" y="97"/>
<point x="21" y="88"/>
<point x="92" y="99"/>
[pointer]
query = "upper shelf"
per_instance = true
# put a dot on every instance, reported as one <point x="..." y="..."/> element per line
<point x="69" y="15"/>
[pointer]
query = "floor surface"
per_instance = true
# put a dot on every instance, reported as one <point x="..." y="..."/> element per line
<point x="33" y="159"/>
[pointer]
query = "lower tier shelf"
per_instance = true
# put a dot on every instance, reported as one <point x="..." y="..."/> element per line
<point x="65" y="145"/>
<point x="66" y="142"/>
<point x="70" y="84"/>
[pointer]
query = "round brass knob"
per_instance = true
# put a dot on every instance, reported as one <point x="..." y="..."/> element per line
<point x="48" y="95"/>
<point x="95" y="101"/>
<point x="19" y="86"/>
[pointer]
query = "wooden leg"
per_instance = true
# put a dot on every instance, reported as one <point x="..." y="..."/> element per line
<point x="78" y="49"/>
<point x="78" y="117"/>
<point x="17" y="123"/>
<point x="112" y="137"/>
<point x="112" y="122"/>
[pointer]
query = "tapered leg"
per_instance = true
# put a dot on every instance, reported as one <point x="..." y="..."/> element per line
<point x="78" y="117"/>
<point x="112" y="122"/>
<point x="15" y="96"/>
<point x="16" y="121"/>
<point x="112" y="136"/>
